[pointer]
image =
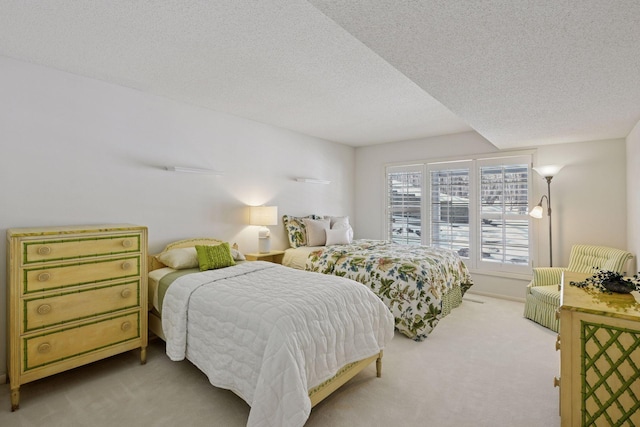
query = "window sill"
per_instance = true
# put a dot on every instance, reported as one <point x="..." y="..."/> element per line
<point x="504" y="274"/>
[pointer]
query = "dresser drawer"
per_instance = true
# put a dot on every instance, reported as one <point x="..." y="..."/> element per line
<point x="62" y="276"/>
<point x="52" y="347"/>
<point x="77" y="305"/>
<point x="78" y="247"/>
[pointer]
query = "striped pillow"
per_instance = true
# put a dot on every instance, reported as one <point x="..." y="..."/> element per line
<point x="589" y="259"/>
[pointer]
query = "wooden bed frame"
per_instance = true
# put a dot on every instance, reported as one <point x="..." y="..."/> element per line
<point x="317" y="393"/>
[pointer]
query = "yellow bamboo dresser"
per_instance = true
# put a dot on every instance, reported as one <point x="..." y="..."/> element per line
<point x="599" y="345"/>
<point x="75" y="295"/>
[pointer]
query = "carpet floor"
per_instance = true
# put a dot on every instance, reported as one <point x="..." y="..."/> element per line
<point x="483" y="365"/>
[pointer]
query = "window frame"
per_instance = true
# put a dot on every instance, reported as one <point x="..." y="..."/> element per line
<point x="474" y="261"/>
<point x="480" y="263"/>
<point x="409" y="168"/>
<point x="428" y="209"/>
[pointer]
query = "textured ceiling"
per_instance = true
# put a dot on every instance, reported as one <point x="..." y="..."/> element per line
<point x="359" y="72"/>
<point x="519" y="72"/>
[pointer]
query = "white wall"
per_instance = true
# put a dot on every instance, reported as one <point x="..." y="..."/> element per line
<point x="80" y="151"/>
<point x="633" y="193"/>
<point x="589" y="201"/>
<point x="589" y="197"/>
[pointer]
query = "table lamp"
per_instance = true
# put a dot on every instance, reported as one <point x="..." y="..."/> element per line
<point x="263" y="216"/>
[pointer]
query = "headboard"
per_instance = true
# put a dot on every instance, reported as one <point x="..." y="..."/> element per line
<point x="154" y="264"/>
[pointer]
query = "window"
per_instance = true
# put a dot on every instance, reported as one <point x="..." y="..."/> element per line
<point x="449" y="209"/>
<point x="477" y="208"/>
<point x="404" y="204"/>
<point x="504" y="220"/>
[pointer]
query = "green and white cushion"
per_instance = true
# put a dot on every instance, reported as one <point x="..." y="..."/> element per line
<point x="548" y="294"/>
<point x="589" y="259"/>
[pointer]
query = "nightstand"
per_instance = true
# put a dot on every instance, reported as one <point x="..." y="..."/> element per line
<point x="272" y="256"/>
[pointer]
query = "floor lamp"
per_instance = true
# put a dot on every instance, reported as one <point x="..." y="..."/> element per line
<point x="547" y="172"/>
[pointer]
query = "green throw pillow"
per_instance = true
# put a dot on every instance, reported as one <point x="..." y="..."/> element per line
<point x="212" y="257"/>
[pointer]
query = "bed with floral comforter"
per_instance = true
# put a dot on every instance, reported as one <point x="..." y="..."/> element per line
<point x="419" y="284"/>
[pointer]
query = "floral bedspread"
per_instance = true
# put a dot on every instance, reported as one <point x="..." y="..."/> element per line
<point x="413" y="281"/>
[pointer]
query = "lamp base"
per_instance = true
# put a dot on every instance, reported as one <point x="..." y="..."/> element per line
<point x="264" y="245"/>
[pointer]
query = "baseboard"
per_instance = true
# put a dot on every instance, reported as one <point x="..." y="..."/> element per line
<point x="500" y="296"/>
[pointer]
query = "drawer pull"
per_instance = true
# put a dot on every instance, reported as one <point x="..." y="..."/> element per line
<point x="558" y="343"/>
<point x="44" y="250"/>
<point x="127" y="243"/>
<point x="126" y="293"/>
<point x="45" y="347"/>
<point x="125" y="326"/>
<point x="44" y="309"/>
<point x="126" y="265"/>
<point x="556" y="382"/>
<point x="43" y="277"/>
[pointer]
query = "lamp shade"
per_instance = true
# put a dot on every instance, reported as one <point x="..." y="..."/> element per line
<point x="548" y="170"/>
<point x="263" y="215"/>
<point x="536" y="212"/>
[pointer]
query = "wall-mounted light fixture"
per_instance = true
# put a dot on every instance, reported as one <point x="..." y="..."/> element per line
<point x="313" y="181"/>
<point x="263" y="216"/>
<point x="547" y="172"/>
<point x="192" y="170"/>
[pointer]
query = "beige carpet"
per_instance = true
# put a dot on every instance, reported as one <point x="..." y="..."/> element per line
<point x="484" y="365"/>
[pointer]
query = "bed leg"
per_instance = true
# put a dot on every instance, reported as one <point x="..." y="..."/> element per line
<point x="379" y="365"/>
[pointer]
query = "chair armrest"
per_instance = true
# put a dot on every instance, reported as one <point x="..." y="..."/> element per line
<point x="544" y="276"/>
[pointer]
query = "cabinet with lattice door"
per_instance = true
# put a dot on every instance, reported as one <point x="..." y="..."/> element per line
<point x="599" y="345"/>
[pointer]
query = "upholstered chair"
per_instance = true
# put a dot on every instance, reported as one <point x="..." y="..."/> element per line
<point x="543" y="293"/>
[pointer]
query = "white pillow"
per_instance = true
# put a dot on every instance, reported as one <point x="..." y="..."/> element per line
<point x="316" y="231"/>
<point x="338" y="236"/>
<point x="237" y="255"/>
<point x="338" y="221"/>
<point x="182" y="258"/>
<point x="341" y="222"/>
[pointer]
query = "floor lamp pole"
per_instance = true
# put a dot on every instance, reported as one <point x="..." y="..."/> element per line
<point x="547" y="172"/>
<point x="548" y="178"/>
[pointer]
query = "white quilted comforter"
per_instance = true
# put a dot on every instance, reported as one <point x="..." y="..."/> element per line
<point x="270" y="333"/>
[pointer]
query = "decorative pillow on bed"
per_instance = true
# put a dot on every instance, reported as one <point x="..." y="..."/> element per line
<point x="338" y="236"/>
<point x="237" y="255"/>
<point x="338" y="221"/>
<point x="341" y="222"/>
<point x="179" y="258"/>
<point x="316" y="231"/>
<point x="296" y="231"/>
<point x="182" y="258"/>
<point x="212" y="257"/>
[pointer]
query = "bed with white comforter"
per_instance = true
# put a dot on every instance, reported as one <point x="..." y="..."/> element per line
<point x="270" y="333"/>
